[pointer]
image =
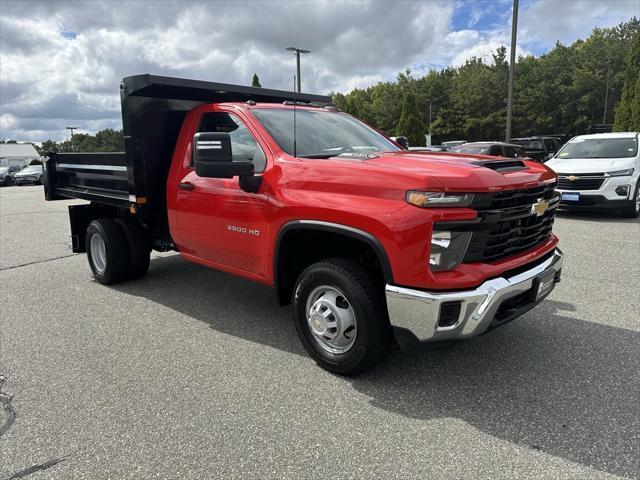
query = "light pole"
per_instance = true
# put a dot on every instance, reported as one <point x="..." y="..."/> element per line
<point x="512" y="67"/>
<point x="72" y="129"/>
<point x="298" y="52"/>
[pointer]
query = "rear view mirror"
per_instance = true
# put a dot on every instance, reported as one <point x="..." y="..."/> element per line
<point x="402" y="141"/>
<point x="212" y="157"/>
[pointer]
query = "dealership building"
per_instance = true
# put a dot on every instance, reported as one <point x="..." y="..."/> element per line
<point x="17" y="153"/>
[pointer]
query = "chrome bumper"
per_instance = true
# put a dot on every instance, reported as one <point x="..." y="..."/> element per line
<point x="418" y="312"/>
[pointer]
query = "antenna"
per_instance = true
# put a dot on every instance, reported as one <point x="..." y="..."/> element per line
<point x="295" y="148"/>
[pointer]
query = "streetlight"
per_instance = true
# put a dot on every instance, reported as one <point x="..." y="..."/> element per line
<point x="512" y="66"/>
<point x="298" y="52"/>
<point x="72" y="129"/>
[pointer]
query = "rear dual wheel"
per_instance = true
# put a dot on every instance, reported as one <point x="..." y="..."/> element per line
<point x="117" y="250"/>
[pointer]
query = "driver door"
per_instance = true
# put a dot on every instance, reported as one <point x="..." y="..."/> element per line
<point x="219" y="222"/>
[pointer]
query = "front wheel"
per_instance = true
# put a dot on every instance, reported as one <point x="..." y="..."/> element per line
<point x="341" y="316"/>
<point x="633" y="210"/>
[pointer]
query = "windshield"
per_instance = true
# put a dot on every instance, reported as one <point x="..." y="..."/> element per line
<point x="479" y="149"/>
<point x="321" y="134"/>
<point x="529" y="144"/>
<point x="600" y="148"/>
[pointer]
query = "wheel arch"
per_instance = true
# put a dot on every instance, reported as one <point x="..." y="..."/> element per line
<point x="283" y="281"/>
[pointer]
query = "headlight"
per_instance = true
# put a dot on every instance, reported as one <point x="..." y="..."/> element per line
<point x="438" y="199"/>
<point x="621" y="173"/>
<point x="447" y="249"/>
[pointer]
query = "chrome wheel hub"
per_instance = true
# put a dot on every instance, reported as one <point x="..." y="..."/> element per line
<point x="331" y="319"/>
<point x="98" y="253"/>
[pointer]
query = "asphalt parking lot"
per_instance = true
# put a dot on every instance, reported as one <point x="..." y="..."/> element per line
<point x="191" y="373"/>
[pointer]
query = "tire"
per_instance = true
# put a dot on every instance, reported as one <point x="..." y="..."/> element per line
<point x="139" y="247"/>
<point x="342" y="286"/>
<point x="107" y="251"/>
<point x="633" y="211"/>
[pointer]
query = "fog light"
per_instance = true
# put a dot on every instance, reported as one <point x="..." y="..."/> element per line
<point x="623" y="190"/>
<point x="447" y="249"/>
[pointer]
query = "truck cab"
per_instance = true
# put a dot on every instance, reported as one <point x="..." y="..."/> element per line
<point x="371" y="244"/>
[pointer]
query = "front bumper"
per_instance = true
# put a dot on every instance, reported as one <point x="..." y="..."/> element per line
<point x="24" y="180"/>
<point x="417" y="315"/>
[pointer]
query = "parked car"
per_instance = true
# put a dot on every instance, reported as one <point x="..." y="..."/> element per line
<point x="7" y="173"/>
<point x="424" y="149"/>
<point x="539" y="148"/>
<point x="370" y="243"/>
<point x="31" y="174"/>
<point x="453" y="143"/>
<point x="496" y="149"/>
<point x="600" y="171"/>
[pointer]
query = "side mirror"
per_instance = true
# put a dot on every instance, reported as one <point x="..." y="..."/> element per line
<point x="212" y="157"/>
<point x="402" y="141"/>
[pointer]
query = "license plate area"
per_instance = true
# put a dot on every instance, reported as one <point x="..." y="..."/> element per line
<point x="570" y="197"/>
<point x="543" y="285"/>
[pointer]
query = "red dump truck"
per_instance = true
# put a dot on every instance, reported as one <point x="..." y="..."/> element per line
<point x="372" y="244"/>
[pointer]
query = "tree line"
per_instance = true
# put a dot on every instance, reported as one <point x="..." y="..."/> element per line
<point x="564" y="91"/>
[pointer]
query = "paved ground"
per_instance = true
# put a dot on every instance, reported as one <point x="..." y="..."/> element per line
<point x="190" y="373"/>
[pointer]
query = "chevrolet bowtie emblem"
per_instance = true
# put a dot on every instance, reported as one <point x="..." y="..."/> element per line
<point x="540" y="207"/>
<point x="572" y="178"/>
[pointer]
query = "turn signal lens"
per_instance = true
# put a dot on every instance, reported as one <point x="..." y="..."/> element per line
<point x="438" y="199"/>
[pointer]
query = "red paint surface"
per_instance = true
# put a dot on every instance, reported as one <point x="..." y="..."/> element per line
<point x="368" y="195"/>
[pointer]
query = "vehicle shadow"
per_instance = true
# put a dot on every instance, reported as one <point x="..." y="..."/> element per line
<point x="548" y="381"/>
<point x="600" y="217"/>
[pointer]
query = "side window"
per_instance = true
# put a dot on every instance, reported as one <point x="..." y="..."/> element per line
<point x="495" y="150"/>
<point x="244" y="146"/>
<point x="550" y="144"/>
<point x="510" y="152"/>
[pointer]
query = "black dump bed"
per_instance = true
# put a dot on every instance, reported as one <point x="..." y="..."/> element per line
<point x="153" y="109"/>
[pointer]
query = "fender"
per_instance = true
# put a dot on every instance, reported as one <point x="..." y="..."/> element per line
<point x="352" y="232"/>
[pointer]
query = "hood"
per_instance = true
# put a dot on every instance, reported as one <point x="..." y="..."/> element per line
<point x="590" y="165"/>
<point x="393" y="173"/>
<point x="29" y="173"/>
<point x="462" y="171"/>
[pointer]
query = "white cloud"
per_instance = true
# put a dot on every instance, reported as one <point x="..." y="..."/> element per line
<point x="61" y="62"/>
<point x="544" y="22"/>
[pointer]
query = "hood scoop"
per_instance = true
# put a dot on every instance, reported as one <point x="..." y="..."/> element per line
<point x="502" y="166"/>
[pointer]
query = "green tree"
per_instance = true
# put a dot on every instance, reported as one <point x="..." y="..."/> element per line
<point x="255" y="81"/>
<point x="627" y="115"/>
<point x="410" y="124"/>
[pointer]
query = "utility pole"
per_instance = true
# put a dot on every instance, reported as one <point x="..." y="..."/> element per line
<point x="606" y="96"/>
<point x="512" y="67"/>
<point x="298" y="52"/>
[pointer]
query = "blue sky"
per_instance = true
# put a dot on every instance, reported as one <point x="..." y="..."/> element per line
<point x="61" y="61"/>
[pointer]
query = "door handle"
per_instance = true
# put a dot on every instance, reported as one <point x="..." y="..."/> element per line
<point x="186" y="186"/>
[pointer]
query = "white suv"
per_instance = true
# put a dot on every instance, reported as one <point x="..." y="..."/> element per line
<point x="600" y="171"/>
